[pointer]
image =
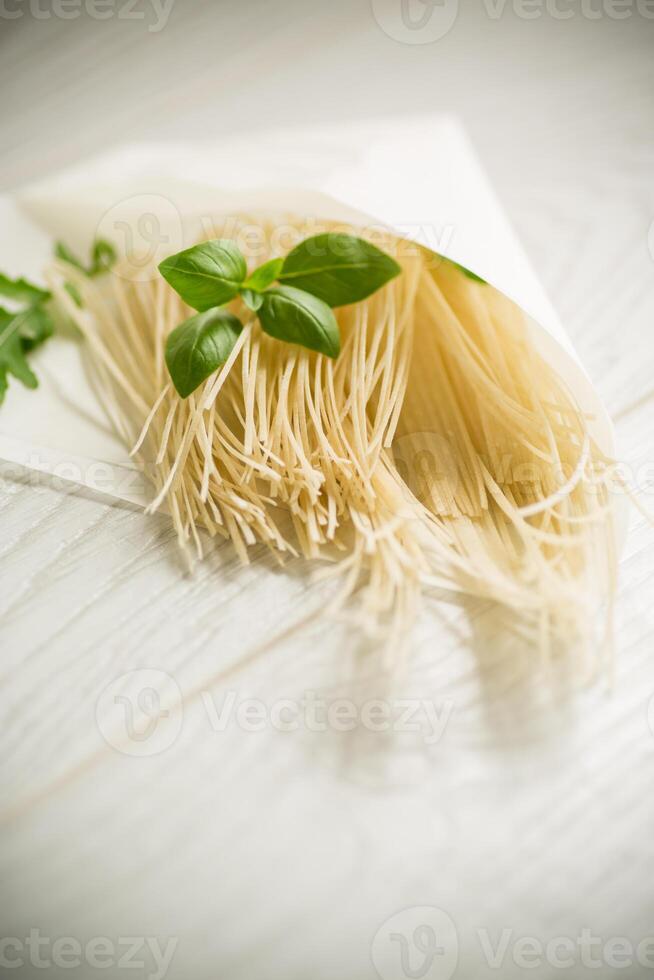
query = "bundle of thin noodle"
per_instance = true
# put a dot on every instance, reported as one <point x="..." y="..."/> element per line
<point x="438" y="449"/>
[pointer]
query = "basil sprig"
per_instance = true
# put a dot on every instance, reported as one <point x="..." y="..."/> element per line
<point x="322" y="272"/>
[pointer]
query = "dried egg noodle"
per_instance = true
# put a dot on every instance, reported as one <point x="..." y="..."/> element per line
<point x="439" y="448"/>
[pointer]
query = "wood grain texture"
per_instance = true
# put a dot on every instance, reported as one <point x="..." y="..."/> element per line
<point x="270" y="854"/>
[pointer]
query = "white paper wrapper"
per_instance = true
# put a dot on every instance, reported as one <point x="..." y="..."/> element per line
<point x="417" y="176"/>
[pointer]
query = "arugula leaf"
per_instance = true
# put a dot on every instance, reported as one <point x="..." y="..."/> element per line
<point x="198" y="346"/>
<point x="62" y="252"/>
<point x="35" y="326"/>
<point x="265" y="275"/>
<point x="103" y="257"/>
<point x="74" y="294"/>
<point x="297" y="317"/>
<point x="337" y="268"/>
<point x="19" y="334"/>
<point x="21" y="290"/>
<point x="206" y="275"/>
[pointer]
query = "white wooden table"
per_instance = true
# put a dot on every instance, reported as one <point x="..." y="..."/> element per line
<point x="268" y="854"/>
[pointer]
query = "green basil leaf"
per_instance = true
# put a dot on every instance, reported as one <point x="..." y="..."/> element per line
<point x="252" y="299"/>
<point x="337" y="268"/>
<point x="265" y="275"/>
<point x="21" y="290"/>
<point x="206" y="275"/>
<point x="297" y="317"/>
<point x="198" y="346"/>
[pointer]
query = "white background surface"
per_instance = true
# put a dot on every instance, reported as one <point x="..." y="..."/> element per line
<point x="281" y="854"/>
